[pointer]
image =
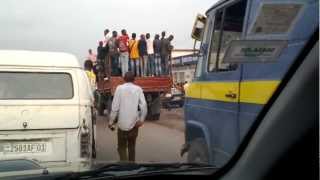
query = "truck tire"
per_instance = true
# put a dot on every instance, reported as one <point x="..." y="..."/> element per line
<point x="101" y="109"/>
<point x="156" y="116"/>
<point x="198" y="152"/>
<point x="109" y="104"/>
<point x="100" y="104"/>
<point x="154" y="107"/>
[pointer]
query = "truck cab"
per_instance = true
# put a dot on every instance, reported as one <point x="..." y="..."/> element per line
<point x="247" y="46"/>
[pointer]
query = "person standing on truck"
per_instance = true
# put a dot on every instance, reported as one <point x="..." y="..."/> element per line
<point x="128" y="98"/>
<point x="124" y="51"/>
<point x="163" y="35"/>
<point x="113" y="45"/>
<point x="165" y="52"/>
<point x="156" y="49"/>
<point x="134" y="55"/>
<point x="150" y="63"/>
<point x="142" y="46"/>
<point x="106" y="37"/>
<point x="101" y="60"/>
<point x="88" y="67"/>
<point x="162" y="64"/>
<point x="92" y="56"/>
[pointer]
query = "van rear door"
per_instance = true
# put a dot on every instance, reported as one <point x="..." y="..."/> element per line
<point x="38" y="100"/>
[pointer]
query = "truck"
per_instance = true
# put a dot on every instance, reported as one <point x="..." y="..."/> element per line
<point x="154" y="89"/>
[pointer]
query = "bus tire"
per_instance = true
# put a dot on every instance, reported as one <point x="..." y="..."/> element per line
<point x="198" y="152"/>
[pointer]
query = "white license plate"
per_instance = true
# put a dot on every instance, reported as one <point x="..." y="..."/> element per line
<point x="26" y="148"/>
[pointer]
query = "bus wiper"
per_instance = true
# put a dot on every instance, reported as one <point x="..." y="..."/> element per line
<point x="142" y="168"/>
<point x="129" y="169"/>
<point x="175" y="167"/>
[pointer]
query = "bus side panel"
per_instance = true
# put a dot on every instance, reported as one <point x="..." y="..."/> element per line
<point x="262" y="73"/>
<point x="248" y="114"/>
<point x="220" y="123"/>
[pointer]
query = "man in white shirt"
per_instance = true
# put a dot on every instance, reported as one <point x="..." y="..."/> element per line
<point x="106" y="36"/>
<point x="130" y="107"/>
<point x="151" y="62"/>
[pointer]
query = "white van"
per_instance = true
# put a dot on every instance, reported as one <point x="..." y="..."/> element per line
<point x="46" y="109"/>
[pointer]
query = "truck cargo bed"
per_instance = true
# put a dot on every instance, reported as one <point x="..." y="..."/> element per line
<point x="148" y="84"/>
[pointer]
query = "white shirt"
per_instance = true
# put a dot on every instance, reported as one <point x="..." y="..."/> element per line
<point x="150" y="46"/>
<point x="127" y="98"/>
<point x="106" y="39"/>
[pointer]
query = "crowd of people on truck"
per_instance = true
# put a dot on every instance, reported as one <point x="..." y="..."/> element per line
<point x="129" y="58"/>
<point x="116" y="55"/>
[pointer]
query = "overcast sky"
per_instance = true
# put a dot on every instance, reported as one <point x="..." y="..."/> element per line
<point x="75" y="25"/>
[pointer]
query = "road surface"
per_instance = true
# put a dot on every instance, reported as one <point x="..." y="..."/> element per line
<point x="158" y="141"/>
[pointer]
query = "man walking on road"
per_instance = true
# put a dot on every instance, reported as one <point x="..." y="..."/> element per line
<point x="127" y="100"/>
<point x="124" y="51"/>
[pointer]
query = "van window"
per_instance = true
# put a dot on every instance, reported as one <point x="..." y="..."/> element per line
<point x="26" y="85"/>
<point x="228" y="26"/>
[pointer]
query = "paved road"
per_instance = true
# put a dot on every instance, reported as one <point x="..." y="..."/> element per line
<point x="156" y="143"/>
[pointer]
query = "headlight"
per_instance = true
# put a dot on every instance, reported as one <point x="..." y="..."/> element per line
<point x="168" y="95"/>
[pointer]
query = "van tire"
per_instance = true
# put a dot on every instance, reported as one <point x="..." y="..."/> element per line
<point x="198" y="152"/>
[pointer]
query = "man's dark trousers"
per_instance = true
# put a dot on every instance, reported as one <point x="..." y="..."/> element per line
<point x="127" y="144"/>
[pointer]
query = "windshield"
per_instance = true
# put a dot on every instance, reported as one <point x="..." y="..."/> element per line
<point x="162" y="100"/>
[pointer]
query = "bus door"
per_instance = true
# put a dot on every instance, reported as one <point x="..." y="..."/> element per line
<point x="220" y="86"/>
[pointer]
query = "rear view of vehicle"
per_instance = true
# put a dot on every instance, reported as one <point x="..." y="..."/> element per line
<point x="46" y="109"/>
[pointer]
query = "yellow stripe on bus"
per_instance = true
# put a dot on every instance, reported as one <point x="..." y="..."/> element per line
<point x="218" y="90"/>
<point x="256" y="92"/>
<point x="193" y="90"/>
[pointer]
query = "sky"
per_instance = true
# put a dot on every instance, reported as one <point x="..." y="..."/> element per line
<point x="74" y="26"/>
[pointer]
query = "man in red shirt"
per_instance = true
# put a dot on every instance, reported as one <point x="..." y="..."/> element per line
<point x="124" y="51"/>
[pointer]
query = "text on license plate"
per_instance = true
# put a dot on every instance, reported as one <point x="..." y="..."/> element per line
<point x="28" y="148"/>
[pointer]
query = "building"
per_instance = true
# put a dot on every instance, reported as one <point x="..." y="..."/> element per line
<point x="184" y="63"/>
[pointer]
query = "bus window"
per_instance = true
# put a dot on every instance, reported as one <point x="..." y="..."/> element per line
<point x="232" y="26"/>
<point x="215" y="41"/>
<point x="203" y="49"/>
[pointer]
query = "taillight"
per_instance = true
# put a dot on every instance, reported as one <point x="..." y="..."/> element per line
<point x="84" y="140"/>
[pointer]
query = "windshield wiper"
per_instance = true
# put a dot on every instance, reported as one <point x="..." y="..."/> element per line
<point x="131" y="169"/>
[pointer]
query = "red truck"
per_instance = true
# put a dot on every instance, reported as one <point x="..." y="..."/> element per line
<point x="153" y="88"/>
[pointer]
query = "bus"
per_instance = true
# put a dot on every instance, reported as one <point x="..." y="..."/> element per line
<point x="247" y="46"/>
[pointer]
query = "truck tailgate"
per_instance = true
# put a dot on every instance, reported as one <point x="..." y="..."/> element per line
<point x="148" y="84"/>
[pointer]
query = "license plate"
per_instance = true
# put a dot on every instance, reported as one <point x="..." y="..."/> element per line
<point x="26" y="148"/>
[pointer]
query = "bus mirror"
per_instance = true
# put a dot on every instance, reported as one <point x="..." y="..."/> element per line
<point x="198" y="27"/>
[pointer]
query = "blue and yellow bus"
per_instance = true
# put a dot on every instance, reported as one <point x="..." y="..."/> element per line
<point x="247" y="46"/>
